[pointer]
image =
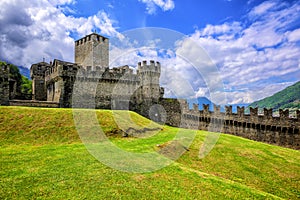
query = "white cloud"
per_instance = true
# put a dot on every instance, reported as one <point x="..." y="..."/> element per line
<point x="178" y="76"/>
<point x="254" y="58"/>
<point x="262" y="8"/>
<point x="151" y="5"/>
<point x="294" y="36"/>
<point x="221" y="29"/>
<point x="106" y="25"/>
<point x="202" y="92"/>
<point x="40" y="30"/>
<point x="61" y="2"/>
<point x="250" y="59"/>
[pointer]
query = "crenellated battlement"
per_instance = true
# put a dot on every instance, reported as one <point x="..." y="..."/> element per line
<point x="123" y="73"/>
<point x="92" y="50"/>
<point x="282" y="130"/>
<point x="59" y="68"/>
<point x="268" y="113"/>
<point x="151" y="67"/>
<point x="91" y="37"/>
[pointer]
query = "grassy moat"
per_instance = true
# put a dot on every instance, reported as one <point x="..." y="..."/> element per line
<point x="42" y="157"/>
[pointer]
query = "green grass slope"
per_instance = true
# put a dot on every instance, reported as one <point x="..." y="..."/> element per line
<point x="42" y="157"/>
<point x="289" y="98"/>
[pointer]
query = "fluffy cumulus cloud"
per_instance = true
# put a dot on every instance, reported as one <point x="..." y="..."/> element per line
<point x="33" y="30"/>
<point x="180" y="74"/>
<point x="255" y="57"/>
<point x="151" y="5"/>
<point x="262" y="8"/>
<point x="234" y="62"/>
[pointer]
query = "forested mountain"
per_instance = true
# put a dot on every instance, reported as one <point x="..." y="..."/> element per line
<point x="289" y="98"/>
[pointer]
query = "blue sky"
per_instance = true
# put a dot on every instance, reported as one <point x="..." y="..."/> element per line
<point x="184" y="16"/>
<point x="254" y="45"/>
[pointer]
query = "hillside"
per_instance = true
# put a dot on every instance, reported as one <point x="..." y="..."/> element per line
<point x="289" y="98"/>
<point x="42" y="157"/>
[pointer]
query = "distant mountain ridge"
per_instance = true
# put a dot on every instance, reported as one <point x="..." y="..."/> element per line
<point x="288" y="98"/>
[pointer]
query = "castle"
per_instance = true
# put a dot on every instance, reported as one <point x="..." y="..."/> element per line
<point x="89" y="82"/>
<point x="54" y="82"/>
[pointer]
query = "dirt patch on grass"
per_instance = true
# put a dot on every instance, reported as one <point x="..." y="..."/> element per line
<point x="131" y="132"/>
<point x="172" y="149"/>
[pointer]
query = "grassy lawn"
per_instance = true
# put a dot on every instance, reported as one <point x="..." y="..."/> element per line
<point x="42" y="157"/>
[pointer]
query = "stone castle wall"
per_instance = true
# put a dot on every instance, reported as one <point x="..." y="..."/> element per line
<point x="9" y="88"/>
<point x="37" y="74"/>
<point x="59" y="79"/>
<point x="32" y="103"/>
<point x="282" y="130"/>
<point x="4" y="85"/>
<point x="102" y="84"/>
<point x="173" y="111"/>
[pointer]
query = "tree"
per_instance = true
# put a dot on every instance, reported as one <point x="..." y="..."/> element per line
<point x="26" y="87"/>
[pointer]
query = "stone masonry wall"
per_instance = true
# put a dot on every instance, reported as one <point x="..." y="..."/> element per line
<point x="102" y="87"/>
<point x="34" y="103"/>
<point x="92" y="50"/>
<point x="282" y="130"/>
<point x="4" y="85"/>
<point x="37" y="73"/>
<point x="173" y="111"/>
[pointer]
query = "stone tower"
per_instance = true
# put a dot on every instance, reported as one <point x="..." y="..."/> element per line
<point x="37" y="73"/>
<point x="149" y="79"/>
<point x="92" y="50"/>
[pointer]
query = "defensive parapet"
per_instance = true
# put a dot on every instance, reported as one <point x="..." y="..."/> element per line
<point x="282" y="130"/>
<point x="60" y="69"/>
<point x="152" y="67"/>
<point x="100" y="74"/>
<point x="59" y="79"/>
